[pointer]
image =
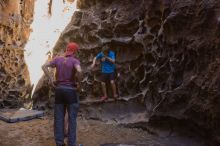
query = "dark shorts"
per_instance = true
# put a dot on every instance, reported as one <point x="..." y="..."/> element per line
<point x="106" y="77"/>
<point x="65" y="95"/>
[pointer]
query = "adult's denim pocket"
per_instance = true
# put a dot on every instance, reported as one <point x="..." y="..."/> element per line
<point x="65" y="96"/>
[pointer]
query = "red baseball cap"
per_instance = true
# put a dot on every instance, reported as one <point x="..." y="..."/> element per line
<point x="71" y="48"/>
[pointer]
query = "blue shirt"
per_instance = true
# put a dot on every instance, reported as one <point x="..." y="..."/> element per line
<point x="107" y="66"/>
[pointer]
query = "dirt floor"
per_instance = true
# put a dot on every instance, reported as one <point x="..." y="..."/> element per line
<point x="39" y="132"/>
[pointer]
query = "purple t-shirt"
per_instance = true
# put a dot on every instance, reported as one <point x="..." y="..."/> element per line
<point x="65" y="69"/>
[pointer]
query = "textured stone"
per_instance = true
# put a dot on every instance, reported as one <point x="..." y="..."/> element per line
<point x="167" y="51"/>
<point x="15" y="19"/>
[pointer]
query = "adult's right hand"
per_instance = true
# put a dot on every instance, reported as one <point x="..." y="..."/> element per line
<point x="51" y="83"/>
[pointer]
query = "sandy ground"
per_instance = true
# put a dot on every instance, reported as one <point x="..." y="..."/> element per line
<point x="39" y="132"/>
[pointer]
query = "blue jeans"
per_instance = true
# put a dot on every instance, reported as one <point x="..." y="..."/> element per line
<point x="65" y="97"/>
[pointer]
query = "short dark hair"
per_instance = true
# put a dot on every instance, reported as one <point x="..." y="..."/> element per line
<point x="105" y="48"/>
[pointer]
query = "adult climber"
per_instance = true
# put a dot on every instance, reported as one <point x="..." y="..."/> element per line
<point x="65" y="94"/>
<point x="107" y="58"/>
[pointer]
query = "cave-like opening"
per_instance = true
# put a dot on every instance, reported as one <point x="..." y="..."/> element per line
<point x="46" y="29"/>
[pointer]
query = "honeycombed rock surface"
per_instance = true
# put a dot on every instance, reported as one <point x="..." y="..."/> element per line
<point x="167" y="55"/>
<point x="15" y="19"/>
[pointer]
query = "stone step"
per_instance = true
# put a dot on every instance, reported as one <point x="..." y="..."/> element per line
<point x="109" y="100"/>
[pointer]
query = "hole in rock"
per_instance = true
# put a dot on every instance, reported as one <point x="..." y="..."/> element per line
<point x="127" y="53"/>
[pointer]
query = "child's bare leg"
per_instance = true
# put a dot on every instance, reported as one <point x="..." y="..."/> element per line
<point x="66" y="123"/>
<point x="114" y="89"/>
<point x="104" y="91"/>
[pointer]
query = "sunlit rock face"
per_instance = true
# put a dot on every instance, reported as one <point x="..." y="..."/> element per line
<point x="15" y="20"/>
<point x="167" y="52"/>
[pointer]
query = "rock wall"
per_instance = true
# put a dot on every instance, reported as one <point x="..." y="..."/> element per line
<point x="15" y="19"/>
<point x="167" y="52"/>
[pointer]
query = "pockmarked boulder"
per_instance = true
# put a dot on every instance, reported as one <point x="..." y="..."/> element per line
<point x="15" y="20"/>
<point x="167" y="51"/>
